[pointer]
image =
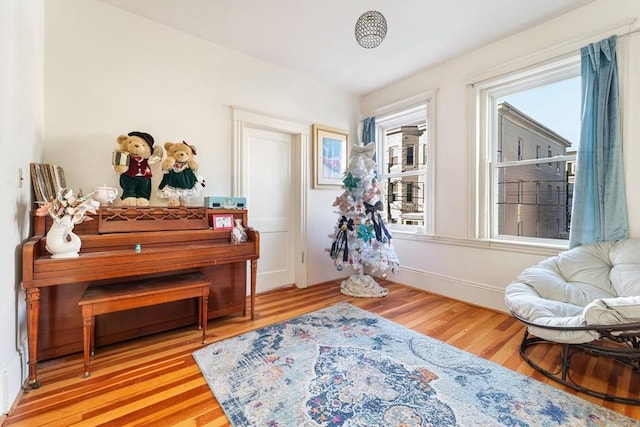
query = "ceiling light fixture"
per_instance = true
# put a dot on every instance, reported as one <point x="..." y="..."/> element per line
<point x="371" y="28"/>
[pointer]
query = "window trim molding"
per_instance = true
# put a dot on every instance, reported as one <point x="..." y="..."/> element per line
<point x="482" y="216"/>
<point x="549" y="54"/>
<point x="403" y="104"/>
<point x="386" y="114"/>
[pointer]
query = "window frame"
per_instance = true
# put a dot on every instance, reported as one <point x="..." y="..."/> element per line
<point x="485" y="95"/>
<point x="392" y="116"/>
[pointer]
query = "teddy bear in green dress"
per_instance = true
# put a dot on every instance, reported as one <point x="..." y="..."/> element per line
<point x="181" y="180"/>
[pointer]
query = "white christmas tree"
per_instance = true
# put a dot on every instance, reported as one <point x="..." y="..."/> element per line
<point x="360" y="238"/>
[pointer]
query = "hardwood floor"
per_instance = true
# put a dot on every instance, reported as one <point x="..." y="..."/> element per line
<point x="155" y="381"/>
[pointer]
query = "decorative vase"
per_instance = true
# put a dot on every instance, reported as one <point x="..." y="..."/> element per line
<point x="61" y="241"/>
<point x="238" y="235"/>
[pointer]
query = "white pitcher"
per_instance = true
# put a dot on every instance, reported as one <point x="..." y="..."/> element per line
<point x="61" y="241"/>
<point x="105" y="194"/>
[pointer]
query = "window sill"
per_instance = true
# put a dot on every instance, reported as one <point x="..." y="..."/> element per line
<point x="532" y="248"/>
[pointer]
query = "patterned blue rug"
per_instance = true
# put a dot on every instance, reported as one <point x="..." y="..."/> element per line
<point x="343" y="366"/>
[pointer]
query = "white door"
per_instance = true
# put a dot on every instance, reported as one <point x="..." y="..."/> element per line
<point x="270" y="169"/>
<point x="270" y="193"/>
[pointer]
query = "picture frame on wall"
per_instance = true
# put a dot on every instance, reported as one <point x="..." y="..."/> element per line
<point x="222" y="222"/>
<point x="330" y="154"/>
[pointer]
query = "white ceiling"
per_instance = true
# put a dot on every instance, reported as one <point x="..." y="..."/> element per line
<point x="316" y="37"/>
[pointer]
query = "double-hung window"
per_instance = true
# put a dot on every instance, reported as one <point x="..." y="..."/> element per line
<point x="528" y="129"/>
<point x="404" y="156"/>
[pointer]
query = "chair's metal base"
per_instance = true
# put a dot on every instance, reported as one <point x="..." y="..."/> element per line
<point x="625" y="352"/>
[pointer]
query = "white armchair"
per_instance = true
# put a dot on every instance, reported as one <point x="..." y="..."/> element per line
<point x="586" y="299"/>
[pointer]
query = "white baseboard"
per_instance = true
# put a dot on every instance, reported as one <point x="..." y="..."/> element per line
<point x="475" y="293"/>
<point x="11" y="380"/>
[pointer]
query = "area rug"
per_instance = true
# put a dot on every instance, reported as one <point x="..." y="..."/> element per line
<point x="344" y="366"/>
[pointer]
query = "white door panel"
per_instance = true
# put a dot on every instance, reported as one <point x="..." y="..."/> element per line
<point x="274" y="269"/>
<point x="269" y="197"/>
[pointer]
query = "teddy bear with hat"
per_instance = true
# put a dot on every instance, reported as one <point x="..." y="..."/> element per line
<point x="132" y="162"/>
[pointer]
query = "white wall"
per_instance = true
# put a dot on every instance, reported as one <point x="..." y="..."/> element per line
<point x="453" y="263"/>
<point x="108" y="72"/>
<point x="21" y="110"/>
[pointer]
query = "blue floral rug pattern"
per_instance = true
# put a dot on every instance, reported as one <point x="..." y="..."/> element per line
<point x="343" y="366"/>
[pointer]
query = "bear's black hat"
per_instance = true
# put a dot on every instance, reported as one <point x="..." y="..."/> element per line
<point x="144" y="136"/>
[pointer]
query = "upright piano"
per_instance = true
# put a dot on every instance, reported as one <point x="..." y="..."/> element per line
<point x="123" y="245"/>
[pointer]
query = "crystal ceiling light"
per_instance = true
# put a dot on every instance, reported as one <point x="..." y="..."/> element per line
<point x="371" y="28"/>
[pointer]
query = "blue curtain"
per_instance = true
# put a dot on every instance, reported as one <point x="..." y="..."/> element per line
<point x="368" y="130"/>
<point x="599" y="205"/>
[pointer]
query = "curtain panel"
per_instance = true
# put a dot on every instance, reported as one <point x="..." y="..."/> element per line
<point x="599" y="211"/>
<point x="368" y="130"/>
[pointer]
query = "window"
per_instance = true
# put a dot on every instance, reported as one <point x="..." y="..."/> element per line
<point x="520" y="191"/>
<point x="391" y="193"/>
<point x="406" y="178"/>
<point x="409" y="197"/>
<point x="393" y="155"/>
<point x="520" y="145"/>
<point x="409" y="159"/>
<point x="403" y="158"/>
<point x="519" y="116"/>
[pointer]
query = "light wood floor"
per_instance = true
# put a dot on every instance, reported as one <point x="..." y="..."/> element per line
<point x="155" y="381"/>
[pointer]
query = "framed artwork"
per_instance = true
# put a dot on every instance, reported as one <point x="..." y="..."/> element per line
<point x="222" y="222"/>
<point x="330" y="154"/>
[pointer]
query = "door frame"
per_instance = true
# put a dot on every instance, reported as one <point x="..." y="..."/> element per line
<point x="243" y="119"/>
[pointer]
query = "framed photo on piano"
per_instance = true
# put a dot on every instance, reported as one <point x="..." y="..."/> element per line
<point x="222" y="221"/>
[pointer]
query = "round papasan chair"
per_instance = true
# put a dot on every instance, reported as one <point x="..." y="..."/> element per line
<point x="586" y="299"/>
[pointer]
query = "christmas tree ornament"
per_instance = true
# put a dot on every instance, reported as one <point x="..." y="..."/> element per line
<point x="365" y="232"/>
<point x="351" y="182"/>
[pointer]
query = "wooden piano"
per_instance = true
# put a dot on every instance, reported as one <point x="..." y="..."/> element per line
<point x="171" y="241"/>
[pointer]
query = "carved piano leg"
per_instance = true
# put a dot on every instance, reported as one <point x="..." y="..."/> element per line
<point x="254" y="272"/>
<point x="87" y="334"/>
<point x="32" y="298"/>
<point x="205" y="308"/>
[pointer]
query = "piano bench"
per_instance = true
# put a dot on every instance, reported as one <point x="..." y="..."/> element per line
<point x="124" y="296"/>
